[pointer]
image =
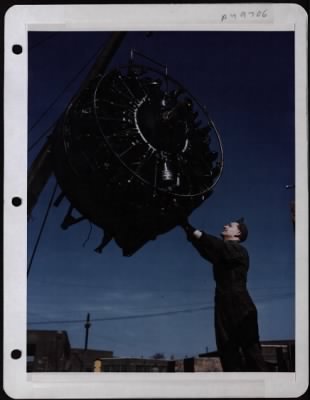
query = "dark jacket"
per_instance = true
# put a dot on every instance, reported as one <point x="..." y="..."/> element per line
<point x="230" y="266"/>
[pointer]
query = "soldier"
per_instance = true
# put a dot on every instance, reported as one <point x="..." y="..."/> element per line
<point x="236" y="326"/>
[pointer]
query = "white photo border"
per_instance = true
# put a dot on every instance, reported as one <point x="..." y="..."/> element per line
<point x="164" y="17"/>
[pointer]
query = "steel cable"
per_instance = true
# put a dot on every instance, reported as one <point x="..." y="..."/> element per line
<point x="41" y="229"/>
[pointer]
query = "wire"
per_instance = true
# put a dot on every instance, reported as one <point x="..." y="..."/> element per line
<point x="264" y="299"/>
<point x="65" y="89"/>
<point x="151" y="315"/>
<point x="137" y="316"/>
<point x="41" y="229"/>
<point x="42" y="41"/>
<point x="89" y="233"/>
<point x="133" y="51"/>
<point x="41" y="137"/>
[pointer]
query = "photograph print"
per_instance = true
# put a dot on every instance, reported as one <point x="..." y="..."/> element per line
<point x="161" y="201"/>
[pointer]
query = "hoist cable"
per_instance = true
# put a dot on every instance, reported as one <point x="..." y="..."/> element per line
<point x="41" y="229"/>
<point x="42" y="136"/>
<point x="89" y="233"/>
<point x="42" y="41"/>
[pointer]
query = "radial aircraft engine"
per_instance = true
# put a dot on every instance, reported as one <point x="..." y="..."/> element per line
<point x="134" y="152"/>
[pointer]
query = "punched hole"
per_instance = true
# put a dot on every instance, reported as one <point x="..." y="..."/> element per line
<point x="16" y="354"/>
<point x="17" y="49"/>
<point x="16" y="201"/>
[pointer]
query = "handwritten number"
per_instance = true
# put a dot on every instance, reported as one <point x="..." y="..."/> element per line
<point x="245" y="15"/>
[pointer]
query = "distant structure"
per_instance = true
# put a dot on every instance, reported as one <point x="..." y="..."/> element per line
<point x="84" y="360"/>
<point x="128" y="364"/>
<point x="50" y="351"/>
<point x="190" y="364"/>
<point x="278" y="354"/>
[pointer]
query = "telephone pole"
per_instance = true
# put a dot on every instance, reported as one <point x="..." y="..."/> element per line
<point x="87" y="326"/>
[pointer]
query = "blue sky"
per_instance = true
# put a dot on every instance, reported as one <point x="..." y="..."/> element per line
<point x="161" y="298"/>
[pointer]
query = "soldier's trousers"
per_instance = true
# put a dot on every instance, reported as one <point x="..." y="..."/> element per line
<point x="239" y="347"/>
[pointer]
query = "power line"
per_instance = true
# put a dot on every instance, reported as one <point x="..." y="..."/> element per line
<point x="41" y="229"/>
<point x="137" y="316"/>
<point x="151" y="315"/>
<point x="262" y="299"/>
<point x="154" y="290"/>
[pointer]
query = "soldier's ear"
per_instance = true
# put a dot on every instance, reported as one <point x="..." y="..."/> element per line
<point x="238" y="235"/>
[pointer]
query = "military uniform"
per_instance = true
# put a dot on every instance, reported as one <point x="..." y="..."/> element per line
<point x="235" y="313"/>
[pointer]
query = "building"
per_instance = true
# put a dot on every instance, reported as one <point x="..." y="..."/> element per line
<point x="125" y="364"/>
<point x="190" y="364"/>
<point x="278" y="354"/>
<point x="198" y="364"/>
<point x="84" y="360"/>
<point x="48" y="351"/>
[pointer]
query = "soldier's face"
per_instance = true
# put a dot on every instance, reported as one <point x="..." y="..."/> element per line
<point x="231" y="231"/>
